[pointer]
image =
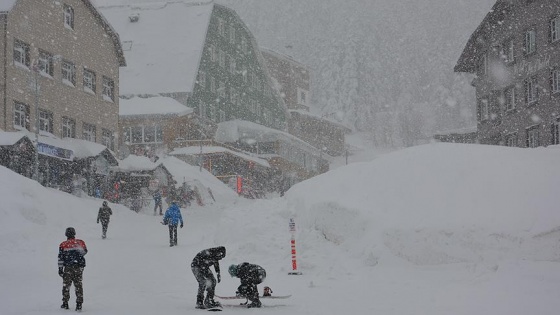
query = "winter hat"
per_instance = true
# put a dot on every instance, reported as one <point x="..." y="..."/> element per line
<point x="104" y="203"/>
<point x="232" y="270"/>
<point x="70" y="232"/>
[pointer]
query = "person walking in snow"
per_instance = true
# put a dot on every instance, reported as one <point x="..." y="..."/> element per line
<point x="250" y="275"/>
<point x="158" y="203"/>
<point x="103" y="216"/>
<point x="71" y="264"/>
<point x="172" y="218"/>
<point x="200" y="267"/>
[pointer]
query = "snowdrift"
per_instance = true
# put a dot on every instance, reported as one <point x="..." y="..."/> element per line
<point x="437" y="204"/>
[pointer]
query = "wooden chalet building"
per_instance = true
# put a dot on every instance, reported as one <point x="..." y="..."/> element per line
<point x="200" y="54"/>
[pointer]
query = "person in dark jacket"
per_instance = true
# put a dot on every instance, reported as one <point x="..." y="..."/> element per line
<point x="250" y="275"/>
<point x="172" y="218"/>
<point x="71" y="264"/>
<point x="104" y="215"/>
<point x="158" y="203"/>
<point x="200" y="267"/>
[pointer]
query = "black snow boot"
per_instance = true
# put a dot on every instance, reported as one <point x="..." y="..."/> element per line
<point x="64" y="305"/>
<point x="78" y="307"/>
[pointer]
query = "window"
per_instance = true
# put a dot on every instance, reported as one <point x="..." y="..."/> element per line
<point x="21" y="116"/>
<point x="202" y="79"/>
<point x="555" y="81"/>
<point x="243" y="44"/>
<point x="212" y="84"/>
<point x="221" y="58"/>
<point x="531" y="90"/>
<point x="509" y="98"/>
<point x="511" y="140"/>
<point x="108" y="89"/>
<point x="45" y="63"/>
<point x="68" y="17"/>
<point x="232" y="66"/>
<point x="202" y="110"/>
<point x="68" y="73"/>
<point x="222" y="116"/>
<point x="508" y="53"/>
<point x="530" y="42"/>
<point x="107" y="139"/>
<point x="233" y="97"/>
<point x="45" y="121"/>
<point x="89" y="81"/>
<point x="302" y="96"/>
<point x="221" y="89"/>
<point x="68" y="127"/>
<point x="221" y="27"/>
<point x="483" y="113"/>
<point x="136" y="134"/>
<point x="253" y="106"/>
<point x="212" y="113"/>
<point x="232" y="34"/>
<point x="483" y="65"/>
<point x="211" y="53"/>
<point x="88" y="132"/>
<point x="533" y="137"/>
<point x="555" y="29"/>
<point x="150" y="134"/>
<point x="556" y="132"/>
<point x="244" y="73"/>
<point x="21" y="53"/>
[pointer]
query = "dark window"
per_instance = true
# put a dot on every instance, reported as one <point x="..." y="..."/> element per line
<point x="68" y="127"/>
<point x="108" y="89"/>
<point x="21" y="53"/>
<point x="89" y="81"/>
<point x="21" y="115"/>
<point x="68" y="16"/>
<point x="45" y="121"/>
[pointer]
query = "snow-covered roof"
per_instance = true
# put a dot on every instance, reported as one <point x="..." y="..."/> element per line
<point x="159" y="105"/>
<point x="326" y="119"/>
<point x="283" y="56"/>
<point x="136" y="163"/>
<point x="10" y="138"/>
<point x="80" y="149"/>
<point x="236" y="130"/>
<point x="6" y="5"/>
<point x="163" y="47"/>
<point x="215" y="149"/>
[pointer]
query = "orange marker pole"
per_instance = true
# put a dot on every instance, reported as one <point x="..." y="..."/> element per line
<point x="293" y="247"/>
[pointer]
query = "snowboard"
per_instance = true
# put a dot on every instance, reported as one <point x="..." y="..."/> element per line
<point x="214" y="309"/>
<point x="260" y="297"/>
<point x="211" y="309"/>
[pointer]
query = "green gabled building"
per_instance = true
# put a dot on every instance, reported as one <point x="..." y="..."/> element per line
<point x="199" y="53"/>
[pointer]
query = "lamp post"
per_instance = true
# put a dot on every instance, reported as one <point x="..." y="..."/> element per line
<point x="36" y="86"/>
<point x="37" y="122"/>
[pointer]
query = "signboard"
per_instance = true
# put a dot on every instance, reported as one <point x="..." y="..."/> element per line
<point x="292" y="225"/>
<point x="50" y="150"/>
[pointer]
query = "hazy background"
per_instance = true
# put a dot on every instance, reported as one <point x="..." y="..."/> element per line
<point x="384" y="67"/>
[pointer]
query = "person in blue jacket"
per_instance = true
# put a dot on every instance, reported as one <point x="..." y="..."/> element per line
<point x="172" y="218"/>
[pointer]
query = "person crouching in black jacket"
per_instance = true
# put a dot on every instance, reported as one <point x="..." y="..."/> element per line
<point x="250" y="275"/>
<point x="200" y="267"/>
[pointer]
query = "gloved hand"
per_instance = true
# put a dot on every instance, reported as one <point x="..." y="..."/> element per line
<point x="219" y="278"/>
<point x="97" y="221"/>
<point x="60" y="271"/>
<point x="182" y="227"/>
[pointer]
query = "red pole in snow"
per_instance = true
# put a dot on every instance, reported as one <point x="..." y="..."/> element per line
<point x="293" y="247"/>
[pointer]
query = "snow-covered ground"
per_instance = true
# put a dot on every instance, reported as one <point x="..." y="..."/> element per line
<point x="436" y="229"/>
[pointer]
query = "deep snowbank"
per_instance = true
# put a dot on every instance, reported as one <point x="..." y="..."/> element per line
<point x="438" y="203"/>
